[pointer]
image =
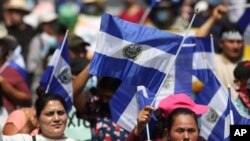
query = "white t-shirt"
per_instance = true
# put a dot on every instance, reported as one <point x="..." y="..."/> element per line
<point x="26" y="137"/>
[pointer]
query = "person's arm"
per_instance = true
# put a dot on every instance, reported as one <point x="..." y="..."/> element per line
<point x="20" y="98"/>
<point x="217" y="14"/>
<point x="79" y="83"/>
<point x="20" y="121"/>
<point x="133" y="137"/>
<point x="142" y="120"/>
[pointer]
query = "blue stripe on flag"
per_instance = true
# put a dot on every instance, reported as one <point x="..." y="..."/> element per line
<point x="46" y="77"/>
<point x="183" y="69"/>
<point x="243" y="22"/>
<point x="144" y="97"/>
<point x="139" y="34"/>
<point x="218" y="131"/>
<point x="127" y="71"/>
<point x="121" y="99"/>
<point x="211" y="85"/>
<point x="57" y="88"/>
<point x="65" y="51"/>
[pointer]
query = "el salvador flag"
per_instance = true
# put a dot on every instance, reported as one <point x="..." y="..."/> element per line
<point x="244" y="20"/>
<point x="57" y="76"/>
<point x="136" y="54"/>
<point x="126" y="103"/>
<point x="179" y="80"/>
<point x="215" y="123"/>
<point x="16" y="62"/>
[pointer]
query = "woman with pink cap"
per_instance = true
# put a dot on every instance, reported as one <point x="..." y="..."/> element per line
<point x="177" y="116"/>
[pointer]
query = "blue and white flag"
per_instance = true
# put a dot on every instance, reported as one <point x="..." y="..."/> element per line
<point x="136" y="54"/>
<point x="57" y="76"/>
<point x="244" y="20"/>
<point x="179" y="80"/>
<point x="126" y="103"/>
<point x="215" y="123"/>
<point x="16" y="61"/>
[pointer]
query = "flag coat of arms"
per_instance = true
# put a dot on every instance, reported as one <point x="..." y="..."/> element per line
<point x="136" y="54"/>
<point x="57" y="77"/>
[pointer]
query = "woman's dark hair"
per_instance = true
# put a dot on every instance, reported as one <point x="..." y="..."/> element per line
<point x="179" y="111"/>
<point x="167" y="122"/>
<point x="42" y="101"/>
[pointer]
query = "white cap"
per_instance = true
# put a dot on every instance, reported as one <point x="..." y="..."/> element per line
<point x="47" y="17"/>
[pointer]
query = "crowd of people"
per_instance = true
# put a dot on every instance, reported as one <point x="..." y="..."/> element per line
<point x="38" y="26"/>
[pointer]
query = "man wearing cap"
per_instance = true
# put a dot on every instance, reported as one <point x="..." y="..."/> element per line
<point x="17" y="9"/>
<point x="77" y="46"/>
<point x="12" y="85"/>
<point x="40" y="45"/>
<point x="178" y="116"/>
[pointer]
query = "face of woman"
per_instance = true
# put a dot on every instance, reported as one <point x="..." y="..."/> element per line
<point x="53" y="120"/>
<point x="184" y="128"/>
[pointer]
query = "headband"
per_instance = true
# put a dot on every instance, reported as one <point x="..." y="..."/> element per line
<point x="231" y="35"/>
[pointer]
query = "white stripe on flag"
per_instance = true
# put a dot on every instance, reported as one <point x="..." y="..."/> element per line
<point x="149" y="57"/>
<point x="168" y="87"/>
<point x="61" y="66"/>
<point x="128" y="119"/>
<point x="199" y="60"/>
<point x="218" y="104"/>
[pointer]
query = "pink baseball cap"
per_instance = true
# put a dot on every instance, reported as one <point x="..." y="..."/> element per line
<point x="180" y="100"/>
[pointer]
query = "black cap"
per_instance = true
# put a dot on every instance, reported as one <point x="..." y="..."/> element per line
<point x="242" y="70"/>
<point x="75" y="41"/>
<point x="78" y="64"/>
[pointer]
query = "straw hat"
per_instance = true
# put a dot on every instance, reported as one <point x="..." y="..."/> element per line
<point x="17" y="5"/>
<point x="93" y="1"/>
<point x="47" y="17"/>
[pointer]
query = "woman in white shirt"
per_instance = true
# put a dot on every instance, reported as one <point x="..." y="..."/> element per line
<point x="52" y="118"/>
